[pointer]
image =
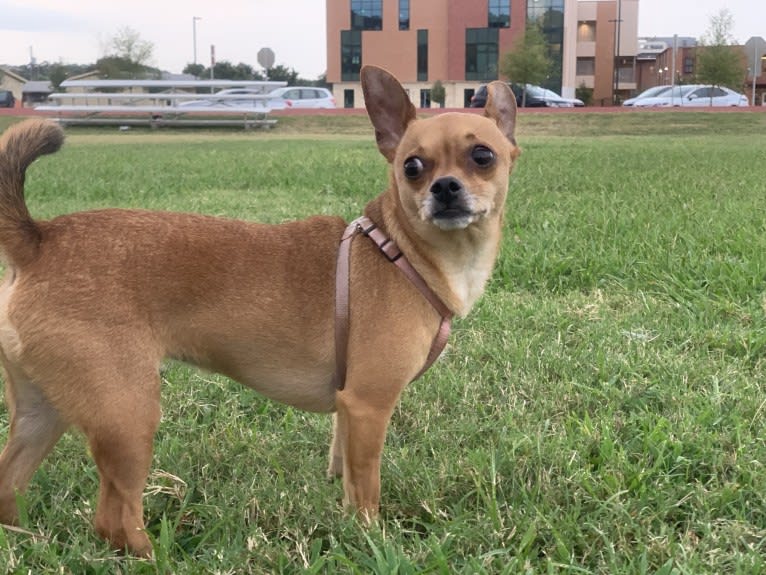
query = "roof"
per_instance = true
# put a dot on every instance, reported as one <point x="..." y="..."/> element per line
<point x="171" y="76"/>
<point x="14" y="75"/>
<point x="37" y="87"/>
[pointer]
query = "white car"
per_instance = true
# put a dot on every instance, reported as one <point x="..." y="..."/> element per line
<point x="694" y="95"/>
<point x="230" y="98"/>
<point x="300" y="97"/>
<point x="649" y="93"/>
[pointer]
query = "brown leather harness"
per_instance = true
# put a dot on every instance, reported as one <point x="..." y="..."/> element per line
<point x="388" y="248"/>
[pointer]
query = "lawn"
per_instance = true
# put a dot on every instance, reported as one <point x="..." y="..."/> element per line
<point x="602" y="410"/>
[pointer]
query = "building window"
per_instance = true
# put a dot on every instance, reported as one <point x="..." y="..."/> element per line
<point x="625" y="74"/>
<point x="351" y="55"/>
<point x="348" y="98"/>
<point x="366" y="14"/>
<point x="422" y="55"/>
<point x="586" y="66"/>
<point x="468" y="96"/>
<point x="688" y="65"/>
<point x="549" y="16"/>
<point x="586" y="31"/>
<point x="404" y="14"/>
<point x="481" y="54"/>
<point x="499" y="14"/>
<point x="425" y="98"/>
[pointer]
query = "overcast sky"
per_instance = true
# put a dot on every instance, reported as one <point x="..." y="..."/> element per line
<point x="78" y="31"/>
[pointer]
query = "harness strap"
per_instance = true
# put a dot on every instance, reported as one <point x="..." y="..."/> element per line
<point x="388" y="248"/>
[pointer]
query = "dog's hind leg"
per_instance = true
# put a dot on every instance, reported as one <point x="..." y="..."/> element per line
<point x="35" y="427"/>
<point x="121" y="443"/>
<point x="120" y="438"/>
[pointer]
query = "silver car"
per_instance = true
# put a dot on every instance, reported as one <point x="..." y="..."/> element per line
<point x="230" y="98"/>
<point x="648" y="93"/>
<point x="694" y="95"/>
<point x="293" y="97"/>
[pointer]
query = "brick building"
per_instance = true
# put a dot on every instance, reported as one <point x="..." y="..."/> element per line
<point x="459" y="43"/>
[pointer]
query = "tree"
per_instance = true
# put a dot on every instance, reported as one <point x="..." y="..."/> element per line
<point x="281" y="73"/>
<point x="195" y="70"/>
<point x="438" y="93"/>
<point x="127" y="56"/>
<point x="128" y="45"/>
<point x="719" y="62"/>
<point x="528" y="62"/>
<point x="56" y="75"/>
<point x="584" y="93"/>
<point x="225" y="70"/>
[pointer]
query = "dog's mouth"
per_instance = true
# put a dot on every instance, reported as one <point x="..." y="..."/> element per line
<point x="451" y="213"/>
<point x="453" y="217"/>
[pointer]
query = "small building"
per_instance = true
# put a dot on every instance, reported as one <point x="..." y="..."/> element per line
<point x="35" y="92"/>
<point x="12" y="82"/>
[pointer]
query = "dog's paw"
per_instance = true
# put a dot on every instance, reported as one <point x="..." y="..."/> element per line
<point x="335" y="470"/>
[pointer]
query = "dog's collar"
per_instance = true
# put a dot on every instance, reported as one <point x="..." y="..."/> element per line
<point x="388" y="248"/>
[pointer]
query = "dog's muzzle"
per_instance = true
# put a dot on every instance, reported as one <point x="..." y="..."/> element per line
<point x="449" y="204"/>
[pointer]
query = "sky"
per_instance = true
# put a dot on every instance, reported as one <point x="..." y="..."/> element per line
<point x="79" y="31"/>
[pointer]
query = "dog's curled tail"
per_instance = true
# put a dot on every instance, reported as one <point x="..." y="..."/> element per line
<point x="20" y="145"/>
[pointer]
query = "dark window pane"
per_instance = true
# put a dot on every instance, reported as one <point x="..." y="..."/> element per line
<point x="499" y="14"/>
<point x="351" y="55"/>
<point x="404" y="14"/>
<point x="422" y="55"/>
<point x="366" y="14"/>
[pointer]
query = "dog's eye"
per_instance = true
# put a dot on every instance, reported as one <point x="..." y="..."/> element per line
<point x="483" y="156"/>
<point x="413" y="167"/>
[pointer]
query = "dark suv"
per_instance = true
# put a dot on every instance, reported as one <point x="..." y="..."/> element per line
<point x="537" y="97"/>
<point x="6" y="99"/>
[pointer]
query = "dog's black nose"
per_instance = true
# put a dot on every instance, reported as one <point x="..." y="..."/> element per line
<point x="446" y="189"/>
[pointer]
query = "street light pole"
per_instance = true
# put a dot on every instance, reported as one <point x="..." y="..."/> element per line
<point x="616" y="62"/>
<point x="194" y="36"/>
<point x="755" y="70"/>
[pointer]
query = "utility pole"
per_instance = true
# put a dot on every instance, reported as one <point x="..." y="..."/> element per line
<point x="617" y="21"/>
<point x="194" y="36"/>
<point x="673" y="64"/>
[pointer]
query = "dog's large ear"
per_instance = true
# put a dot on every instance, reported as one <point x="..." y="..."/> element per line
<point x="388" y="106"/>
<point x="501" y="107"/>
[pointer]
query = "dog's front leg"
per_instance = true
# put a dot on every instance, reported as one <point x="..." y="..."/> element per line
<point x="360" y="432"/>
<point x="335" y="468"/>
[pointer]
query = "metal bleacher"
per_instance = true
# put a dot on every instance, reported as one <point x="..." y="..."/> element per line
<point x="159" y="103"/>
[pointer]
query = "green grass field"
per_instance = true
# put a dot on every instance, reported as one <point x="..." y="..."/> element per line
<point x="603" y="409"/>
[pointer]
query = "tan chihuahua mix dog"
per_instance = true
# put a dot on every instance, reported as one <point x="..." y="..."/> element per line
<point x="93" y="301"/>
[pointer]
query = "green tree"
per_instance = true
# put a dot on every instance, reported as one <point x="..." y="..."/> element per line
<point x="281" y="73"/>
<point x="57" y="74"/>
<point x="528" y="61"/>
<point x="127" y="56"/>
<point x="114" y="67"/>
<point x="128" y="45"/>
<point x="196" y="70"/>
<point x="225" y="70"/>
<point x="719" y="62"/>
<point x="585" y="94"/>
<point x="438" y="93"/>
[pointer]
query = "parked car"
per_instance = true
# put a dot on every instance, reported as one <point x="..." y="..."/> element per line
<point x="6" y="99"/>
<point x="238" y="101"/>
<point x="279" y="99"/>
<point x="536" y="97"/>
<point x="695" y="95"/>
<point x="649" y="93"/>
<point x="301" y="97"/>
